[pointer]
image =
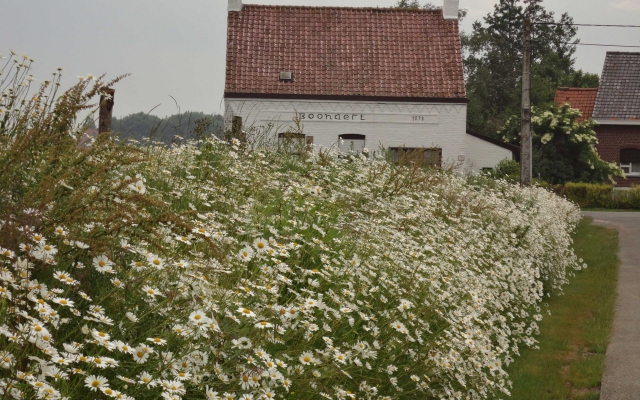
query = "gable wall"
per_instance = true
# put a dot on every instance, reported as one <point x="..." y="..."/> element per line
<point x="482" y="154"/>
<point x="613" y="138"/>
<point x="390" y="124"/>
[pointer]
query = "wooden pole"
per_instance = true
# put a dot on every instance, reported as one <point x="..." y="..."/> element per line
<point x="106" y="110"/>
<point x="525" y="141"/>
<point x="236" y="128"/>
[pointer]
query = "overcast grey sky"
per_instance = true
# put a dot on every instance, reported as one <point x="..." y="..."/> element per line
<point x="177" y="48"/>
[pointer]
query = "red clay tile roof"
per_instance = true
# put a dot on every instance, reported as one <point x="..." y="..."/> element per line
<point x="584" y="99"/>
<point x="344" y="51"/>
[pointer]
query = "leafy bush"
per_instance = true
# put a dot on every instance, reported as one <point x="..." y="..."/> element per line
<point x="588" y="195"/>
<point x="217" y="270"/>
<point x="508" y="170"/>
<point x="563" y="148"/>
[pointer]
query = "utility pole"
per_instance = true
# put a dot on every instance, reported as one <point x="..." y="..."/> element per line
<point x="106" y="110"/>
<point x="525" y="132"/>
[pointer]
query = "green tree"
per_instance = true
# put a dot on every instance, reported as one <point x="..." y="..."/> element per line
<point x="563" y="148"/>
<point x="188" y="125"/>
<point x="580" y="79"/>
<point x="414" y="4"/>
<point x="493" y="62"/>
<point x="428" y="6"/>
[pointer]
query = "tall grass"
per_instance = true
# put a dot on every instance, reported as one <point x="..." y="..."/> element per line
<point x="230" y="270"/>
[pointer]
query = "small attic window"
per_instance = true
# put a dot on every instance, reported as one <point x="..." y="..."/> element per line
<point x="286" y="76"/>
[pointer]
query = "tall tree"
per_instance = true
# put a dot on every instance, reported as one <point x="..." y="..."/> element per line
<point x="188" y="125"/>
<point x="493" y="61"/>
<point x="428" y="6"/>
<point x="414" y="4"/>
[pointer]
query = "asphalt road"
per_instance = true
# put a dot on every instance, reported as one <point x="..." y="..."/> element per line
<point x="621" y="380"/>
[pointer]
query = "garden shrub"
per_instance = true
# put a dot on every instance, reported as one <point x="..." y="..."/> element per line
<point x="508" y="170"/>
<point x="219" y="270"/>
<point x="590" y="195"/>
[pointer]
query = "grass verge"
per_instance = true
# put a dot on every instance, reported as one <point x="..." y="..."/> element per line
<point x="574" y="338"/>
<point x="609" y="209"/>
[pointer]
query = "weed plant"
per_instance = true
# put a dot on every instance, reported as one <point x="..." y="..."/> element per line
<point x="224" y="270"/>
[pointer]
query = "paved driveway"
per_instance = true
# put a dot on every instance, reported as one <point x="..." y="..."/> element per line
<point x="621" y="380"/>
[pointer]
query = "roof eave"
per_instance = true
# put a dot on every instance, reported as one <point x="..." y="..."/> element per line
<point x="390" y="99"/>
<point x="609" y="121"/>
<point x="513" y="148"/>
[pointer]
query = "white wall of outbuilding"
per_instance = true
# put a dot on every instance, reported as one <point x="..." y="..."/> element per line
<point x="482" y="154"/>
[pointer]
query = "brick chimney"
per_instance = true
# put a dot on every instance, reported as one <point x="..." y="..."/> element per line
<point x="450" y="9"/>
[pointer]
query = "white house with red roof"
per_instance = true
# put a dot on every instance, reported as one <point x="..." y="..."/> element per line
<point x="372" y="77"/>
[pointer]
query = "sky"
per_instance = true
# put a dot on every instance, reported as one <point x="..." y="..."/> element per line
<point x="176" y="49"/>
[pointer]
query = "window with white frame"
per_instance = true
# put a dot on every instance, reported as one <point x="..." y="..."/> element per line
<point x="351" y="143"/>
<point x="428" y="156"/>
<point x="630" y="161"/>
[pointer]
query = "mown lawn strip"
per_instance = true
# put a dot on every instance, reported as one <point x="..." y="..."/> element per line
<point x="574" y="338"/>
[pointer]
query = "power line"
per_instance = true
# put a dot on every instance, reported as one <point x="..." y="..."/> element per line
<point x="592" y="44"/>
<point x="600" y="45"/>
<point x="568" y="24"/>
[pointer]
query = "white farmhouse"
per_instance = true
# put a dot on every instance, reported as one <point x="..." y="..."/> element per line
<point x="371" y="76"/>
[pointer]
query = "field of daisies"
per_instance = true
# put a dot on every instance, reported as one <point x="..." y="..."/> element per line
<point x="218" y="270"/>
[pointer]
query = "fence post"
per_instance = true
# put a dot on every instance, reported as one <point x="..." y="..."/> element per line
<point x="106" y="110"/>
<point x="236" y="129"/>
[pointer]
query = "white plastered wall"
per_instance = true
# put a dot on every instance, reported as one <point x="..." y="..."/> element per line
<point x="482" y="154"/>
<point x="430" y="125"/>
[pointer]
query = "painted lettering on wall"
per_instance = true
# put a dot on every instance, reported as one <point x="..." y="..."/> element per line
<point x="332" y="117"/>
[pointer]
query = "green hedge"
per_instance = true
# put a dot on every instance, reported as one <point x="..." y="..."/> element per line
<point x="590" y="195"/>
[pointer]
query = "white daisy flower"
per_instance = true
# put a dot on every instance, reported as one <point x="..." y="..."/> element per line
<point x="261" y="245"/>
<point x="246" y="254"/>
<point x="95" y="382"/>
<point x="245" y="312"/>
